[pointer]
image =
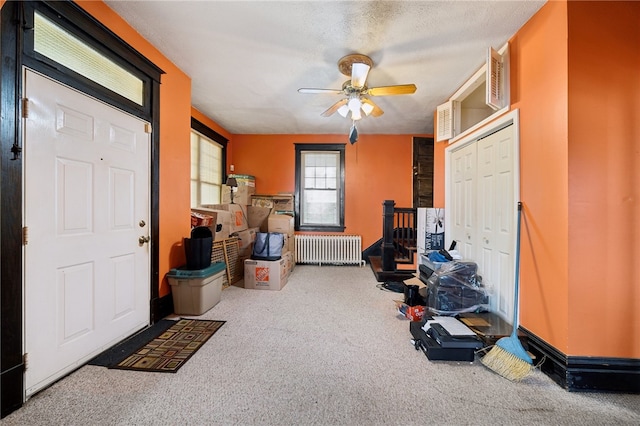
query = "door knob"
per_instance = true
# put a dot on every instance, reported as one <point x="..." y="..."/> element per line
<point x="143" y="240"/>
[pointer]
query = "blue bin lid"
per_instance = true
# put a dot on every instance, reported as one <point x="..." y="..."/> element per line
<point x="183" y="272"/>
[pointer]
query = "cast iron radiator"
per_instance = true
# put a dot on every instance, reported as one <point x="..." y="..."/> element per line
<point x="329" y="249"/>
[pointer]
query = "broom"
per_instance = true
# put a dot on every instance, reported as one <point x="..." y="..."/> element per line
<point x="507" y="357"/>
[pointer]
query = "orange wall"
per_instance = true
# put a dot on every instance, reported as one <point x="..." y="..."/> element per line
<point x="377" y="168"/>
<point x="175" y="128"/>
<point x="604" y="182"/>
<point x="539" y="89"/>
<point x="578" y="94"/>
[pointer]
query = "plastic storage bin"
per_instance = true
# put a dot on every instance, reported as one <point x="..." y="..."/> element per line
<point x="196" y="291"/>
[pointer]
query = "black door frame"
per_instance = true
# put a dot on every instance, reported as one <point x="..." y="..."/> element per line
<point x="15" y="31"/>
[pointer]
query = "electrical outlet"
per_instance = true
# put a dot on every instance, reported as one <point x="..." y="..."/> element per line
<point x="231" y="168"/>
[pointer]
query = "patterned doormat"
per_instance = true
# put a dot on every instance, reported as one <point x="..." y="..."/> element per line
<point x="172" y="348"/>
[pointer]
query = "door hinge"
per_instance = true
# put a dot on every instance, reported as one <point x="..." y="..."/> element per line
<point x="25" y="361"/>
<point x="25" y="107"/>
<point x="147" y="127"/>
<point x="25" y="235"/>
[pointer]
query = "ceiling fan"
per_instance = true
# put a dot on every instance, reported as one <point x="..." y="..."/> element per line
<point x="356" y="102"/>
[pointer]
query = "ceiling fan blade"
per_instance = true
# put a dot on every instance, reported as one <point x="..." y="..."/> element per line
<point x="359" y="72"/>
<point x="376" y="111"/>
<point x="401" y="89"/>
<point x="307" y="90"/>
<point x="333" y="108"/>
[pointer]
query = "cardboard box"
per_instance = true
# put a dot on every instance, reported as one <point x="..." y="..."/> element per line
<point x="279" y="204"/>
<point x="265" y="201"/>
<point x="241" y="195"/>
<point x="281" y="223"/>
<point x="201" y="219"/>
<point x="245" y="181"/>
<point x="245" y="241"/>
<point x="415" y="280"/>
<point x="265" y="274"/>
<point x="222" y="226"/>
<point x="289" y="262"/>
<point x="283" y="202"/>
<point x="287" y="243"/>
<point x="258" y="217"/>
<point x="238" y="215"/>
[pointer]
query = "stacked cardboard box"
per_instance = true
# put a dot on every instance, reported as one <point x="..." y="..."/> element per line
<point x="242" y="193"/>
<point x="220" y="223"/>
<point x="273" y="275"/>
<point x="278" y="203"/>
<point x="243" y="218"/>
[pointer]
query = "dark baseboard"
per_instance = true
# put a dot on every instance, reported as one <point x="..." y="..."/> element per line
<point x="585" y="374"/>
<point x="12" y="389"/>
<point x="161" y="308"/>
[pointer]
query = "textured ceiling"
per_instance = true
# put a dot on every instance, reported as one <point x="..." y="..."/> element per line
<point x="247" y="59"/>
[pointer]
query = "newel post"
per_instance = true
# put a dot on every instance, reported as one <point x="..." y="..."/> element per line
<point x="388" y="263"/>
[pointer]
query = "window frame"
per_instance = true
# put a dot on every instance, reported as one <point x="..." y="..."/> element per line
<point x="71" y="18"/>
<point x="299" y="188"/>
<point x="216" y="137"/>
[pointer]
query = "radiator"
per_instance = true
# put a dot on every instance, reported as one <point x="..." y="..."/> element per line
<point x="329" y="249"/>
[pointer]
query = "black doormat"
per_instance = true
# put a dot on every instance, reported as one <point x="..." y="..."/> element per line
<point x="119" y="352"/>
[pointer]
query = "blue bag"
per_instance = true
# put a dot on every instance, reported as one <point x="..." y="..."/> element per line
<point x="268" y="246"/>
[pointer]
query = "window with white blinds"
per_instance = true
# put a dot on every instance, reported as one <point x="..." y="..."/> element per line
<point x="206" y="170"/>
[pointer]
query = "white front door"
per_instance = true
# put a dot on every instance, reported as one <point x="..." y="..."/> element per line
<point x="86" y="203"/>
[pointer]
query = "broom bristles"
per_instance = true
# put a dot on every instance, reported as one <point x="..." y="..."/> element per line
<point x="506" y="364"/>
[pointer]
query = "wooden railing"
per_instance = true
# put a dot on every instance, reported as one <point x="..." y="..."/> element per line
<point x="398" y="235"/>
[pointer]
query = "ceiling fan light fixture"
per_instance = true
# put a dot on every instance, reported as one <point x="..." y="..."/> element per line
<point x="356" y="115"/>
<point x="359" y="72"/>
<point x="367" y="108"/>
<point x="354" y="104"/>
<point x="343" y="110"/>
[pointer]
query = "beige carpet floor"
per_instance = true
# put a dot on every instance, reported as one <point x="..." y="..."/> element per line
<point x="328" y="349"/>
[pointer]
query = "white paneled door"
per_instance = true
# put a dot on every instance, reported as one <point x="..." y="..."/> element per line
<point x="482" y="210"/>
<point x="496" y="209"/>
<point x="463" y="205"/>
<point x="86" y="204"/>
